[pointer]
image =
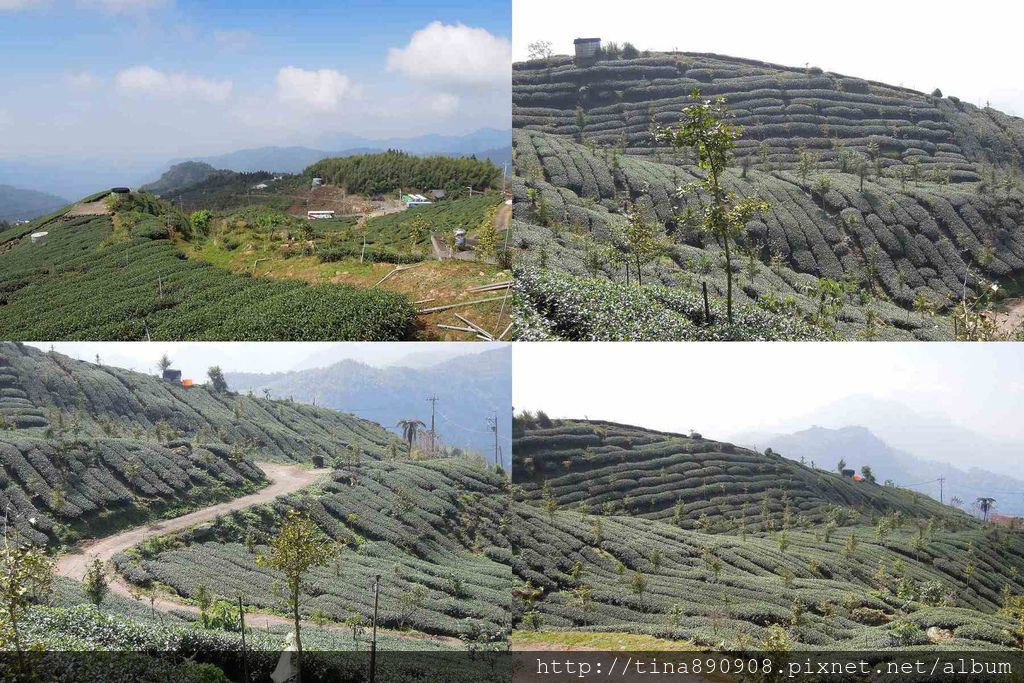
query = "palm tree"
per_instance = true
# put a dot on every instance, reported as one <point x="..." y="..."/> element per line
<point x="410" y="428"/>
<point x="985" y="505"/>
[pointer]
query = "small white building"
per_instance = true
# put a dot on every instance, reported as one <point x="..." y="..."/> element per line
<point x="319" y="215"/>
<point x="412" y="200"/>
<point x="38" y="237"/>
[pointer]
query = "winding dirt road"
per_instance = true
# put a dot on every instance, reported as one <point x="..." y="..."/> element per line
<point x="284" y="479"/>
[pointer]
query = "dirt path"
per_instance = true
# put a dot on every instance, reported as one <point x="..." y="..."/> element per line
<point x="502" y="217"/>
<point x="1011" y="318"/>
<point x="284" y="479"/>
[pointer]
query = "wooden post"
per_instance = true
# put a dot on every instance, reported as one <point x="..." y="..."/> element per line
<point x="373" y="643"/>
<point x="245" y="660"/>
<point x="707" y="306"/>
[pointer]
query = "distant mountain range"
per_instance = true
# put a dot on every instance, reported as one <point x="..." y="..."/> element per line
<point x="932" y="437"/>
<point x="858" y="446"/>
<point x="470" y="389"/>
<point x="77" y="177"/>
<point x="17" y="204"/>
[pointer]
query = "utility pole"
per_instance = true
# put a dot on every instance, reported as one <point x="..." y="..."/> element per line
<point x="942" y="480"/>
<point x="373" y="642"/>
<point x="433" y="407"/>
<point x="492" y="422"/>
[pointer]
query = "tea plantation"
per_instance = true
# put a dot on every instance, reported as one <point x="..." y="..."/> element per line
<point x="121" y="277"/>
<point x="434" y="531"/>
<point x="626" y="529"/>
<point x="897" y="195"/>
<point x="87" y="448"/>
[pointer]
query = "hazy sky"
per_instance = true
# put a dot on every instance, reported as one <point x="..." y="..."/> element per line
<point x="971" y="50"/>
<point x="176" y="78"/>
<point x="722" y="389"/>
<point x="194" y="358"/>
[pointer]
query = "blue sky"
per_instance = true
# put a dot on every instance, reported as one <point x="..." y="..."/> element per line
<point x="181" y="78"/>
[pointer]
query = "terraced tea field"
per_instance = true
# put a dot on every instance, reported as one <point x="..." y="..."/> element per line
<point x="177" y="490"/>
<point x="433" y="531"/>
<point x="122" y="278"/>
<point x="87" y="448"/>
<point x="684" y="538"/>
<point x="900" y="196"/>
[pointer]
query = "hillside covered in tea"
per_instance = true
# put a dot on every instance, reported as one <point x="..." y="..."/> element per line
<point x="705" y="544"/>
<point x="176" y="490"/>
<point x="886" y="206"/>
<point x="88" y="447"/>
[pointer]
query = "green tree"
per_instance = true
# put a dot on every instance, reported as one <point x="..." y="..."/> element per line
<point x="217" y="381"/>
<point x="410" y="429"/>
<point x="641" y="240"/>
<point x="164" y="363"/>
<point x="25" y="572"/>
<point x="200" y="221"/>
<point x="705" y="126"/>
<point x="95" y="583"/>
<point x="487" y="240"/>
<point x="298" y="547"/>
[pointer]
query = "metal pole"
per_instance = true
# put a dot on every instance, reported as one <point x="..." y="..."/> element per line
<point x="373" y="642"/>
<point x="241" y="619"/>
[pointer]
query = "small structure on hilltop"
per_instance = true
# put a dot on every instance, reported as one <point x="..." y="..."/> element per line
<point x="317" y="182"/>
<point x="412" y="200"/>
<point x="120" y="190"/>
<point x="849" y="474"/>
<point x="38" y="237"/>
<point x="172" y="375"/>
<point x="319" y="215"/>
<point x="587" y="50"/>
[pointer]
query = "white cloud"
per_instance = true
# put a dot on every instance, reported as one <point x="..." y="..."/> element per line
<point x="16" y="5"/>
<point x="149" y="81"/>
<point x="83" y="80"/>
<point x="444" y="104"/>
<point x="323" y="90"/>
<point x="118" y="6"/>
<point x="234" y="39"/>
<point x="454" y="55"/>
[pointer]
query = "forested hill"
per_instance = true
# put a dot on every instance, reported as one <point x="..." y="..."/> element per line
<point x="372" y="174"/>
<point x="900" y="193"/>
<point x="83" y="442"/>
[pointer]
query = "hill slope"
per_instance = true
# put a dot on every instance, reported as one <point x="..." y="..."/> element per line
<point x="758" y="550"/>
<point x="120" y="276"/>
<point x="432" y="530"/>
<point x="86" y="447"/>
<point x="17" y="204"/>
<point x="941" y="200"/>
<point x="179" y="176"/>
